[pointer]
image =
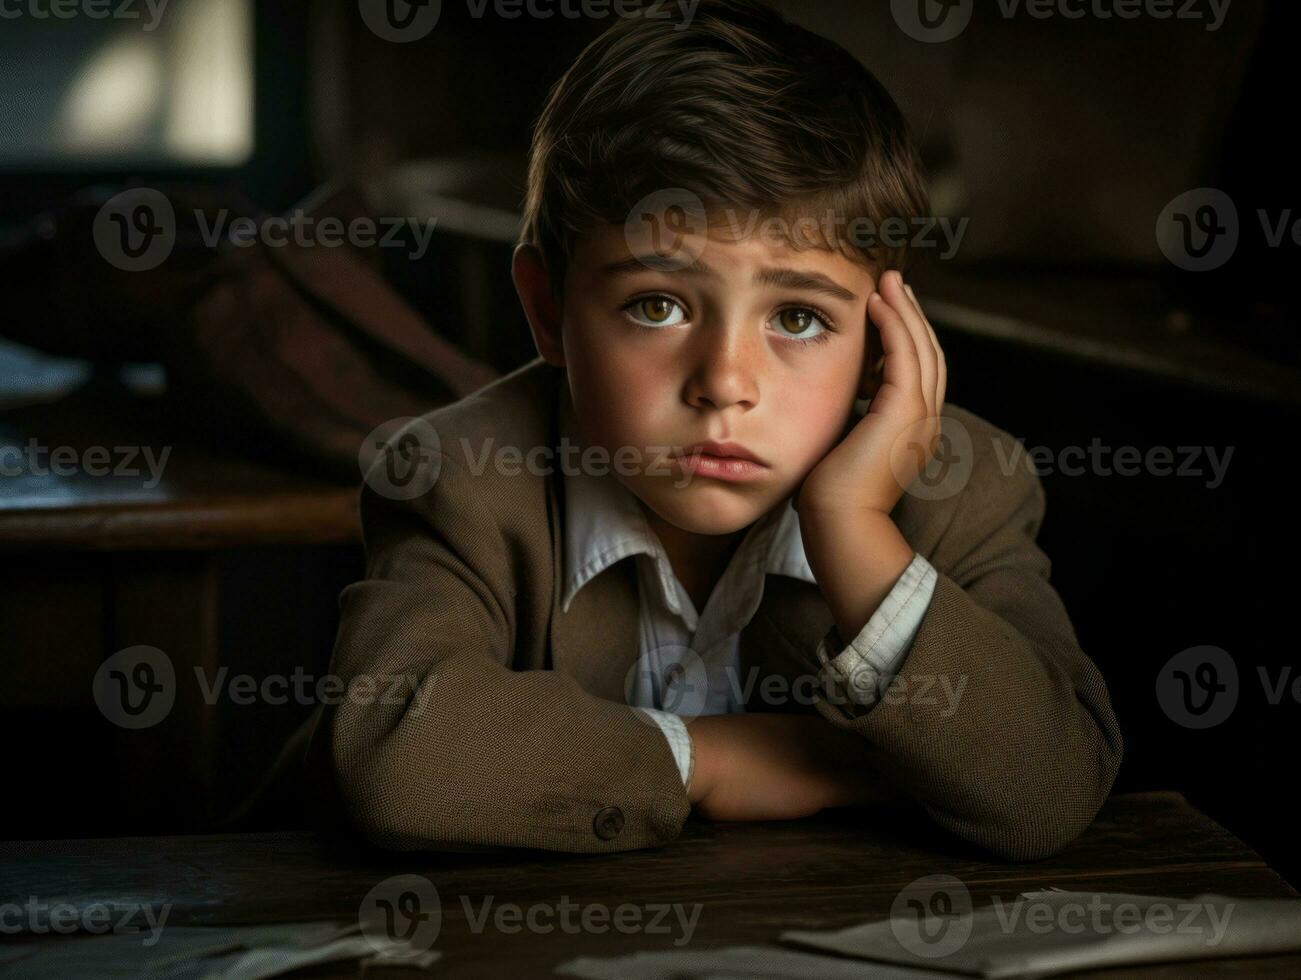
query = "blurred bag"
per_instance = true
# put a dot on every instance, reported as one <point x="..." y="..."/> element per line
<point x="269" y="348"/>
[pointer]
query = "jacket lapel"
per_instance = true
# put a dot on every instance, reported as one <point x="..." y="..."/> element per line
<point x="780" y="640"/>
<point x="597" y="641"/>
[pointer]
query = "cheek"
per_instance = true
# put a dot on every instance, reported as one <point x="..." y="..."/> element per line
<point x="622" y="395"/>
<point x="813" y="424"/>
<point x="816" y="409"/>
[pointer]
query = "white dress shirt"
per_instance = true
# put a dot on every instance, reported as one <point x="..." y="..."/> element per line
<point x="689" y="661"/>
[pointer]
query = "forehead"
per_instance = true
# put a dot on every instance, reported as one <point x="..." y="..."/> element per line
<point x="731" y="250"/>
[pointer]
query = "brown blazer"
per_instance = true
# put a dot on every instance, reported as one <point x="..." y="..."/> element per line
<point x="518" y="732"/>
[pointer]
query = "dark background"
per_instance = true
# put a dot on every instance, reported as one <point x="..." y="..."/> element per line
<point x="1061" y="142"/>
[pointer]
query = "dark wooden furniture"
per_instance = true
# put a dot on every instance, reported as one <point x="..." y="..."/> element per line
<point x="752" y="880"/>
<point x="97" y="560"/>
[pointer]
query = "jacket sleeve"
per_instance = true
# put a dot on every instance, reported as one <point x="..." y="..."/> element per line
<point x="997" y="723"/>
<point x="465" y="751"/>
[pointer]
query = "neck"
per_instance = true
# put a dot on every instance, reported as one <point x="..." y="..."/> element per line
<point x="698" y="560"/>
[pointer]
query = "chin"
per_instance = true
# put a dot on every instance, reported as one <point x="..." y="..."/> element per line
<point x="702" y="509"/>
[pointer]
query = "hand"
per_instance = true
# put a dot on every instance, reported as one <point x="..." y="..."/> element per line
<point x="779" y="767"/>
<point x="889" y="446"/>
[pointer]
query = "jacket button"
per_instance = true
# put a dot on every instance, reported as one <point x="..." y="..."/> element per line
<point x="608" y="823"/>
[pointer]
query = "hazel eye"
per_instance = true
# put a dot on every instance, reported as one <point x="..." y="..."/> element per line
<point x="655" y="311"/>
<point x="799" y="323"/>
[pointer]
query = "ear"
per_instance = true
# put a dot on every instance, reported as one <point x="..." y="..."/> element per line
<point x="533" y="284"/>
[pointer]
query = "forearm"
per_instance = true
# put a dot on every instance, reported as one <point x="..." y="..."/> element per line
<point x="779" y="766"/>
<point x="856" y="557"/>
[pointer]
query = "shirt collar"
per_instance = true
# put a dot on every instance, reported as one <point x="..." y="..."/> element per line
<point x="604" y="523"/>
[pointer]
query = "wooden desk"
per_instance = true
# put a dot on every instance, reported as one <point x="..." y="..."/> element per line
<point x="751" y="880"/>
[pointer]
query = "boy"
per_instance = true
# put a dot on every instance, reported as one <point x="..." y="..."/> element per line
<point x="624" y="586"/>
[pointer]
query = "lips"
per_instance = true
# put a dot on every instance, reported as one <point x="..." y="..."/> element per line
<point x="722" y="450"/>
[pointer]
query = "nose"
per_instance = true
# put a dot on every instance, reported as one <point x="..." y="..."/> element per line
<point x="725" y="370"/>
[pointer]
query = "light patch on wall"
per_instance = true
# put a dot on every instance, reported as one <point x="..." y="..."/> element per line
<point x="113" y="101"/>
<point x="210" y="117"/>
<point x="182" y="92"/>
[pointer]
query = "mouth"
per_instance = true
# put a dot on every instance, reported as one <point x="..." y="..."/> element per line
<point x="728" y="461"/>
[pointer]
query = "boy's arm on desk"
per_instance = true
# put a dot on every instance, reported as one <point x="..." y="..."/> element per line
<point x="997" y="723"/>
<point x="477" y="753"/>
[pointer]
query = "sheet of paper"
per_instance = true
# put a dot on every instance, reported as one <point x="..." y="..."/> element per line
<point x="206" y="953"/>
<point x="1044" y="933"/>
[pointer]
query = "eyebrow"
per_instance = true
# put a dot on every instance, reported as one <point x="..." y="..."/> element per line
<point x="801" y="279"/>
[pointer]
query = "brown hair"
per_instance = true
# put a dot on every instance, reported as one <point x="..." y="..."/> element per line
<point x="737" y="106"/>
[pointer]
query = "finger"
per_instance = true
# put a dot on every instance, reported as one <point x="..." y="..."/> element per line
<point x="901" y="368"/>
<point x="926" y="345"/>
<point x="942" y="373"/>
<point x="873" y="360"/>
<point x="899" y="300"/>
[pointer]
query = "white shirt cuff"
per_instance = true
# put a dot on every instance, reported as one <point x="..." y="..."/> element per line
<point x="675" y="730"/>
<point x="864" y="668"/>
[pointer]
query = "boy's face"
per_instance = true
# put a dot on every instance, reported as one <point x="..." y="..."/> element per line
<point x="757" y="343"/>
